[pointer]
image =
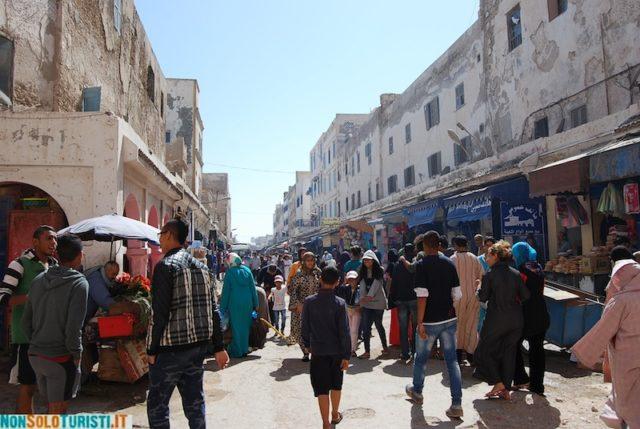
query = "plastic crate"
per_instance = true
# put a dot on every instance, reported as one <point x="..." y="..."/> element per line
<point x="116" y="326"/>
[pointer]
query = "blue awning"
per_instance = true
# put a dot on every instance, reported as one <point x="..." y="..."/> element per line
<point x="422" y="213"/>
<point x="476" y="204"/>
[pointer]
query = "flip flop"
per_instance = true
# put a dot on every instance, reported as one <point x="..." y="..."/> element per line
<point x="338" y="420"/>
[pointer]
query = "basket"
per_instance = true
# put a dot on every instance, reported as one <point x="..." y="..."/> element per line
<point x="116" y="326"/>
<point x="33" y="203"/>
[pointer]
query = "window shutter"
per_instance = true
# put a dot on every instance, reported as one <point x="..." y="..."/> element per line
<point x="436" y="111"/>
<point x="91" y="99"/>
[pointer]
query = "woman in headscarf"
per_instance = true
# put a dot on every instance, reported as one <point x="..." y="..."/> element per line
<point x="372" y="300"/>
<point x="536" y="320"/>
<point x="495" y="356"/>
<point x="305" y="282"/>
<point x="239" y="299"/>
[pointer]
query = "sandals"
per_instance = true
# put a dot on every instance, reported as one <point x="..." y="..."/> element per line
<point x="523" y="386"/>
<point x="499" y="394"/>
<point x="338" y="420"/>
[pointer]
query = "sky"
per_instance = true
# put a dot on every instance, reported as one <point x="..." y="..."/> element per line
<point x="273" y="74"/>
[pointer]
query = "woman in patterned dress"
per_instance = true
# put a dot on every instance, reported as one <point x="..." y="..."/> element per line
<point x="305" y="282"/>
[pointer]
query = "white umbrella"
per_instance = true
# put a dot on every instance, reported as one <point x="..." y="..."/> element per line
<point x="112" y="228"/>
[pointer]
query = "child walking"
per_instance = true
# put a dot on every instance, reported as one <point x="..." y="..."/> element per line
<point x="325" y="331"/>
<point x="279" y="305"/>
<point x="350" y="292"/>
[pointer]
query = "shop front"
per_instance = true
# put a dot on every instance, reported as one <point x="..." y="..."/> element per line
<point x="502" y="210"/>
<point x="355" y="232"/>
<point x="392" y="232"/>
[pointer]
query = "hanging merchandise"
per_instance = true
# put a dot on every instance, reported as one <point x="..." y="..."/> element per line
<point x="577" y="211"/>
<point x="631" y="198"/>
<point x="611" y="202"/>
<point x="570" y="212"/>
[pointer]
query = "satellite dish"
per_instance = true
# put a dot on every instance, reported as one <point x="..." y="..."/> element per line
<point x="454" y="136"/>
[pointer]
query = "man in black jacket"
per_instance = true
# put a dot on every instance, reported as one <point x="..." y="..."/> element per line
<point x="404" y="298"/>
<point x="185" y="321"/>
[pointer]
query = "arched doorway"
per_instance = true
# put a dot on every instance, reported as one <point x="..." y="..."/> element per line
<point x="156" y="253"/>
<point x="137" y="255"/>
<point x="23" y="208"/>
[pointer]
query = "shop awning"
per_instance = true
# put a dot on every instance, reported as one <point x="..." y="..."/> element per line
<point x="568" y="175"/>
<point x="359" y="225"/>
<point x="615" y="161"/>
<point x="422" y="213"/>
<point x="395" y="216"/>
<point x="476" y="204"/>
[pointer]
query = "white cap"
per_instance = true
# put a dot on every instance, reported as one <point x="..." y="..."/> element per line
<point x="351" y="275"/>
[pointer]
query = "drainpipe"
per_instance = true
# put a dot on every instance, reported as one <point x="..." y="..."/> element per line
<point x="57" y="56"/>
<point x="604" y="65"/>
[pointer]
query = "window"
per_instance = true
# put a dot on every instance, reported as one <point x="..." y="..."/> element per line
<point x="339" y="212"/>
<point x="514" y="26"/>
<point x="358" y="158"/>
<point x="409" y="176"/>
<point x="151" y="84"/>
<point x="329" y="157"/>
<point x="462" y="151"/>
<point x="353" y="201"/>
<point x="117" y="15"/>
<point x="435" y="164"/>
<point x="91" y="99"/>
<point x="407" y="133"/>
<point x="390" y="145"/>
<point x="392" y="184"/>
<point x="432" y="113"/>
<point x="359" y="200"/>
<point x="346" y="169"/>
<point x="556" y="8"/>
<point x="541" y="128"/>
<point x="459" y="96"/>
<point x="353" y="167"/>
<point x="346" y="203"/>
<point x="367" y="153"/>
<point x="579" y="116"/>
<point x="167" y="137"/>
<point x="6" y="66"/>
<point x="369" y="195"/>
<point x="378" y="191"/>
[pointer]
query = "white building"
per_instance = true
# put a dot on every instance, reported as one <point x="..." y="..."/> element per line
<point x="84" y="132"/>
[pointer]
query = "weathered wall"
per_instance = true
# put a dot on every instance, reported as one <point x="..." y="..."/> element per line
<point x="215" y="196"/>
<point x="90" y="53"/>
<point x="183" y="120"/>
<point x="558" y="59"/>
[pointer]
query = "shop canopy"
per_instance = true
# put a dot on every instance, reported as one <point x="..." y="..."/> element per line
<point x="569" y="175"/>
<point x="422" y="213"/>
<point x="615" y="161"/>
<point x="476" y="204"/>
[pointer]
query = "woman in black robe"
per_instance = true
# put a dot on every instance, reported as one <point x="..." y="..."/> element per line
<point x="504" y="289"/>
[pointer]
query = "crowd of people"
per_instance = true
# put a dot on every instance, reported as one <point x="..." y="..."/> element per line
<point x="468" y="309"/>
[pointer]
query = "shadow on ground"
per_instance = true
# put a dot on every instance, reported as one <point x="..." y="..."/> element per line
<point x="524" y="410"/>
<point x="290" y="368"/>
<point x="418" y="420"/>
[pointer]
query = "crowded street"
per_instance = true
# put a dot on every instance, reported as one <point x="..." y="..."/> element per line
<point x="270" y="380"/>
<point x="334" y="214"/>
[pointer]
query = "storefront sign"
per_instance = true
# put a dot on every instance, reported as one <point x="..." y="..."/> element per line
<point x="631" y="198"/>
<point x="331" y="222"/>
<point x="521" y="219"/>
<point x="470" y="210"/>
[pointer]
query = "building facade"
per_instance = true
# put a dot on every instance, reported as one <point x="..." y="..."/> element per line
<point x="529" y="83"/>
<point x="217" y="199"/>
<point x="83" y="118"/>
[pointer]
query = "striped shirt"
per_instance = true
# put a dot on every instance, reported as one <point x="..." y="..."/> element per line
<point x="15" y="272"/>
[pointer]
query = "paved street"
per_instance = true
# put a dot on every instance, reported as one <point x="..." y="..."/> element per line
<point x="270" y="389"/>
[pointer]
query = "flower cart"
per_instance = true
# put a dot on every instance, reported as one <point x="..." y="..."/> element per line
<point x="122" y="332"/>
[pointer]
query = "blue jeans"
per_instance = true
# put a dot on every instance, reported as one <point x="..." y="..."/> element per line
<point x="446" y="333"/>
<point x="280" y="319"/>
<point x="406" y="309"/>
<point x="182" y="369"/>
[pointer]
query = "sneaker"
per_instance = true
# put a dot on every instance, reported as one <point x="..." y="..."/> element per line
<point x="305" y="358"/>
<point x="455" y="412"/>
<point x="415" y="397"/>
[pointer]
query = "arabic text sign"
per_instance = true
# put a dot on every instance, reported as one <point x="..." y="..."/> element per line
<point x="521" y="219"/>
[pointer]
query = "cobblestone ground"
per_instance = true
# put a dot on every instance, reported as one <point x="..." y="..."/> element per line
<point x="271" y="389"/>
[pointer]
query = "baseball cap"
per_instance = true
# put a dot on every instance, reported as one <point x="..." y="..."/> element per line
<point x="351" y="275"/>
<point x="278" y="278"/>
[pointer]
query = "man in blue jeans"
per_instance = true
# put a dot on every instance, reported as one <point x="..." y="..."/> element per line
<point x="401" y="294"/>
<point x="437" y="287"/>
